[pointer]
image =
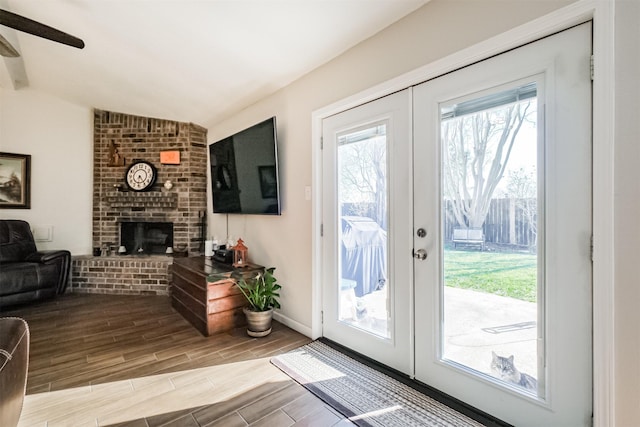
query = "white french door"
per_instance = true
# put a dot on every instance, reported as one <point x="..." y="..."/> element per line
<point x="367" y="277"/>
<point x="457" y="226"/>
<point x="519" y="122"/>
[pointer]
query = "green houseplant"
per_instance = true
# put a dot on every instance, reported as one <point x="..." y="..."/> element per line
<point x="262" y="294"/>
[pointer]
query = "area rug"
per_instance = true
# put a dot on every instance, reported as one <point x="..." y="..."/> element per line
<point x="362" y="394"/>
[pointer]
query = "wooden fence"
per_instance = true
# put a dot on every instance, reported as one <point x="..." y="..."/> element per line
<point x="507" y="223"/>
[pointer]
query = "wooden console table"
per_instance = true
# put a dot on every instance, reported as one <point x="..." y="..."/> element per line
<point x="210" y="307"/>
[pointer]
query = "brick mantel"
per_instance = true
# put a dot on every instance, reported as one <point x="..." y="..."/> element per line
<point x="151" y="199"/>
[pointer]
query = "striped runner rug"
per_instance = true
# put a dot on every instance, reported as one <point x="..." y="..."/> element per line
<point x="364" y="395"/>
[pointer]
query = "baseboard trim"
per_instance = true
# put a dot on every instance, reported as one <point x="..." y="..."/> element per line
<point x="296" y="326"/>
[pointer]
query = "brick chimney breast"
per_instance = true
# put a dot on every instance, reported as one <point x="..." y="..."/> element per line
<point x="142" y="138"/>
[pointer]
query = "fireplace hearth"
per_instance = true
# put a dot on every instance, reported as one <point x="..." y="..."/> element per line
<point x="145" y="238"/>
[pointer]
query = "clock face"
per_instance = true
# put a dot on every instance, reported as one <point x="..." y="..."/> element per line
<point x="141" y="176"/>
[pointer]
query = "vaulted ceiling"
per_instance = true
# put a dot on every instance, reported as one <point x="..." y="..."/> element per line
<point x="186" y="60"/>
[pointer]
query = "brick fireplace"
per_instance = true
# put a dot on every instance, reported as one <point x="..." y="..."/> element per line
<point x="127" y="138"/>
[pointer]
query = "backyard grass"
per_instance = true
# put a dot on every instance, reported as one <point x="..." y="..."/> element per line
<point x="500" y="273"/>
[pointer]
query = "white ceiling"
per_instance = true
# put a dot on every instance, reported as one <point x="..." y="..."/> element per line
<point x="188" y="60"/>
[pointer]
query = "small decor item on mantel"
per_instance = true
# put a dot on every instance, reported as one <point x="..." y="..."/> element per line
<point x="262" y="293"/>
<point x="240" y="254"/>
<point x="115" y="157"/>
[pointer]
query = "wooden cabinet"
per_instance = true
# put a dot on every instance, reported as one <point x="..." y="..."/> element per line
<point x="211" y="307"/>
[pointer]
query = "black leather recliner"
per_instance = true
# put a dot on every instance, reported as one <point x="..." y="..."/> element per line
<point x="27" y="274"/>
<point x="14" y="364"/>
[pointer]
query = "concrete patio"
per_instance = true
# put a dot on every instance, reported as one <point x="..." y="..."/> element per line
<point x="476" y="324"/>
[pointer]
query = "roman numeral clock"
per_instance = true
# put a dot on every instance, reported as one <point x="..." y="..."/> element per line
<point x="141" y="176"/>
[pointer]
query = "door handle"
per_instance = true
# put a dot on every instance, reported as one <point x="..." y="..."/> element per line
<point x="420" y="254"/>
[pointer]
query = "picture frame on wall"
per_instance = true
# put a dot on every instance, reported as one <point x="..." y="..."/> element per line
<point x="268" y="181"/>
<point x="15" y="181"/>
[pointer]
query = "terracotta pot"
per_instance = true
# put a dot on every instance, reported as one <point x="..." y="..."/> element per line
<point x="258" y="322"/>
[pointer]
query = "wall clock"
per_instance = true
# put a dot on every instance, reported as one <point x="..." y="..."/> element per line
<point x="141" y="176"/>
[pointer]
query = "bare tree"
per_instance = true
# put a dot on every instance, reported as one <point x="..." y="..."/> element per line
<point x="476" y="151"/>
<point x="363" y="171"/>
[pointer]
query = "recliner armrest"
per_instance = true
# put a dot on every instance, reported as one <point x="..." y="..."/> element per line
<point x="61" y="257"/>
<point x="14" y="365"/>
<point x="47" y="256"/>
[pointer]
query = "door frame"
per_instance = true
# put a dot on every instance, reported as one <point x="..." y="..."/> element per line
<point x="602" y="14"/>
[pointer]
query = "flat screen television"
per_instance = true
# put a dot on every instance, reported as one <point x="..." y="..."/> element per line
<point x="244" y="171"/>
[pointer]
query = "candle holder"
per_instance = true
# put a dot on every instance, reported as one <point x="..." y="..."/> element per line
<point x="240" y="254"/>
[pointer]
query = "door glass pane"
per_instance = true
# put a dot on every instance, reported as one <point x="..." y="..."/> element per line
<point x="490" y="220"/>
<point x="362" y="200"/>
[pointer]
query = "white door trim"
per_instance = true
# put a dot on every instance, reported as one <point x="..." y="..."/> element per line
<point x="602" y="13"/>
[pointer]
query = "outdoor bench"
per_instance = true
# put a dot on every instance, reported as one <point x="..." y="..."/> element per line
<point x="468" y="236"/>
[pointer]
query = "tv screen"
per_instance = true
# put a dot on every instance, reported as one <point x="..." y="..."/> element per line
<point x="244" y="171"/>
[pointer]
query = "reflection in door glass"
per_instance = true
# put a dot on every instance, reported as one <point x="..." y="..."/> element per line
<point x="362" y="201"/>
<point x="490" y="233"/>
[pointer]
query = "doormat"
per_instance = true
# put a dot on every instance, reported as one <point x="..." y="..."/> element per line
<point x="365" y="396"/>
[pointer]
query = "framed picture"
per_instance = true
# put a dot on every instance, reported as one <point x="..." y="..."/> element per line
<point x="268" y="181"/>
<point x="15" y="181"/>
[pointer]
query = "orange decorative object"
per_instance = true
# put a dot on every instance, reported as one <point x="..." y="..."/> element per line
<point x="240" y="254"/>
<point x="170" y="157"/>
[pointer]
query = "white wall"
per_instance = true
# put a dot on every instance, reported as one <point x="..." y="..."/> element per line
<point x="59" y="137"/>
<point x="436" y="30"/>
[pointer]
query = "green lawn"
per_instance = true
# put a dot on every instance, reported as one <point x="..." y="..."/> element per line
<point x="500" y="273"/>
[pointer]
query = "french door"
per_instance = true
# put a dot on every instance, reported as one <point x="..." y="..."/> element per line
<point x="505" y="149"/>
<point x="457" y="226"/>
<point x="367" y="297"/>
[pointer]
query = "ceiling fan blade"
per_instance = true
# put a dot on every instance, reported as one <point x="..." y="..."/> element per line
<point x="6" y="49"/>
<point x="30" y="26"/>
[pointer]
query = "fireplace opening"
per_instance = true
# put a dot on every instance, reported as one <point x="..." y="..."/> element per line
<point x="145" y="238"/>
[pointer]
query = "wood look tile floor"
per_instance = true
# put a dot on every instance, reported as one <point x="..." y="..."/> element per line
<point x="98" y="360"/>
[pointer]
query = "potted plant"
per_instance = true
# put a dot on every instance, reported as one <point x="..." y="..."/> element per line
<point x="261" y="291"/>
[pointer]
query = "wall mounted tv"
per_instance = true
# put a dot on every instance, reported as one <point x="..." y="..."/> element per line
<point x="244" y="171"/>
